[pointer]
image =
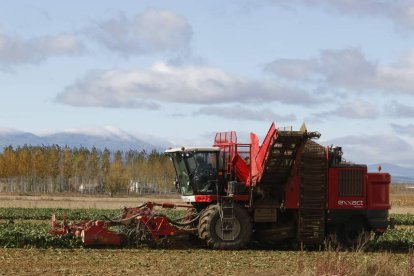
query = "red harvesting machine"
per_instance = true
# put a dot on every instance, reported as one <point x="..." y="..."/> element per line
<point x="288" y="189"/>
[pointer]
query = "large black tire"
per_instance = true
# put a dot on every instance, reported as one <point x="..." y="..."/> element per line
<point x="354" y="234"/>
<point x="210" y="225"/>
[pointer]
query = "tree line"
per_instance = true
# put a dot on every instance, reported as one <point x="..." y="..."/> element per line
<point x="51" y="169"/>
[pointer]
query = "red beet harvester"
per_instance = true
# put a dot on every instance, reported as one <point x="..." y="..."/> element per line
<point x="288" y="189"/>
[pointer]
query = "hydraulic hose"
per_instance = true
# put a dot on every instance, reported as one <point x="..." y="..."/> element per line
<point x="183" y="224"/>
<point x="117" y="220"/>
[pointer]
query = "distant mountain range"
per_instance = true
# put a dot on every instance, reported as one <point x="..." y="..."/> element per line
<point x="399" y="174"/>
<point x="108" y="137"/>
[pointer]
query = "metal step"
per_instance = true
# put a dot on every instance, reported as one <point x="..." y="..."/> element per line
<point x="227" y="220"/>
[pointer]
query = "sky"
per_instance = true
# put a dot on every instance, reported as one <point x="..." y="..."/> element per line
<point x="183" y="70"/>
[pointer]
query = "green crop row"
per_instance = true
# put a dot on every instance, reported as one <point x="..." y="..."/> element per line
<point x="394" y="240"/>
<point x="17" y="235"/>
<point x="31" y="234"/>
<point x="28" y="234"/>
<point x="88" y="214"/>
<point x="71" y="214"/>
<point x="46" y="213"/>
<point x="403" y="219"/>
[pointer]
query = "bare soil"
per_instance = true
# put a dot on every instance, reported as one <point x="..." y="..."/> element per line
<point x="402" y="202"/>
<point x="199" y="262"/>
<point x="75" y="201"/>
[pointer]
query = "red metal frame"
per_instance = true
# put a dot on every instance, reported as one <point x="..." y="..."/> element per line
<point x="292" y="188"/>
<point x="234" y="163"/>
<point x="97" y="232"/>
<point x="213" y="198"/>
<point x="292" y="192"/>
<point x="263" y="153"/>
<point x="159" y="226"/>
<point x="378" y="191"/>
<point x="251" y="173"/>
<point x="227" y="141"/>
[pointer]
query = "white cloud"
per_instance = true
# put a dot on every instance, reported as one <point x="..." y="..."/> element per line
<point x="148" y="32"/>
<point x="292" y="68"/>
<point x="61" y="44"/>
<point x="180" y="84"/>
<point x="242" y="113"/>
<point x="357" y="109"/>
<point x="396" y="109"/>
<point x="348" y="69"/>
<point x="400" y="12"/>
<point x="404" y="130"/>
<point x="15" y="50"/>
<point x="7" y="131"/>
<point x="368" y="148"/>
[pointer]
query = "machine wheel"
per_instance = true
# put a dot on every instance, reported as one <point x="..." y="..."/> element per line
<point x="211" y="228"/>
<point x="353" y="234"/>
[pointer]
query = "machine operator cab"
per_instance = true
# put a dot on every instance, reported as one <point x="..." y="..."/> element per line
<point x="198" y="170"/>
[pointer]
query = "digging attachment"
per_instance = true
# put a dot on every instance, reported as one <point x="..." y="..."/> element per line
<point x="138" y="225"/>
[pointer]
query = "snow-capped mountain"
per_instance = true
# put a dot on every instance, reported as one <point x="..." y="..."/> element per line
<point x="107" y="137"/>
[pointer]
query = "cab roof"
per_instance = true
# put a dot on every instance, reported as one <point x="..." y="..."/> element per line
<point x="192" y="149"/>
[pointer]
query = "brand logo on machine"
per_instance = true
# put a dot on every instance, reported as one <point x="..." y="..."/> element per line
<point x="355" y="203"/>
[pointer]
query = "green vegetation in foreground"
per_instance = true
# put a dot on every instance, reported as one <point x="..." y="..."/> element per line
<point x="29" y="234"/>
<point x="403" y="219"/>
<point x="393" y="240"/>
<point x="17" y="235"/>
<point x="88" y="214"/>
<point x="46" y="213"/>
<point x="16" y="230"/>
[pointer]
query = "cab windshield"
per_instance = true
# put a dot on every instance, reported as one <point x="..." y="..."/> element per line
<point x="196" y="171"/>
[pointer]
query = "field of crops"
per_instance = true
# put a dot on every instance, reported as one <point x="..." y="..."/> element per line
<point x="24" y="237"/>
<point x="26" y="227"/>
<point x="22" y="214"/>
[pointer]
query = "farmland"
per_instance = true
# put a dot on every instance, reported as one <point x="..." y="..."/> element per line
<point x="76" y="201"/>
<point x="24" y="241"/>
<point x="199" y="262"/>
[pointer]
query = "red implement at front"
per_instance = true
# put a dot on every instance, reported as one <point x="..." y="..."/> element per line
<point x="135" y="226"/>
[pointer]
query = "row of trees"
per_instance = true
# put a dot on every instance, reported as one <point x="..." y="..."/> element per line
<point x="63" y="169"/>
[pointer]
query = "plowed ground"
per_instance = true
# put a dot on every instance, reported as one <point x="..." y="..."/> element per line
<point x="198" y="262"/>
